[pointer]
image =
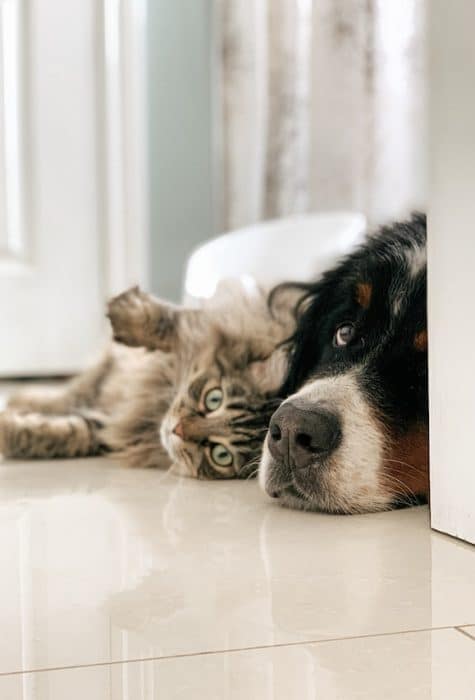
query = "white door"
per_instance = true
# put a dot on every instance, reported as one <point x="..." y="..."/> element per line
<point x="451" y="268"/>
<point x="72" y="183"/>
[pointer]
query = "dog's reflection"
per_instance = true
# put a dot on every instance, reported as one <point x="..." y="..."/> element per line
<point x="231" y="572"/>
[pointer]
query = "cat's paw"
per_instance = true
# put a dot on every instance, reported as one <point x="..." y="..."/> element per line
<point x="130" y="316"/>
<point x="140" y="320"/>
<point x="11" y="424"/>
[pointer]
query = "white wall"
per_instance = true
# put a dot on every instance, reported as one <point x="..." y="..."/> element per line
<point x="452" y="267"/>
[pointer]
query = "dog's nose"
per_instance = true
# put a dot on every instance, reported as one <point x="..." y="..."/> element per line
<point x="302" y="436"/>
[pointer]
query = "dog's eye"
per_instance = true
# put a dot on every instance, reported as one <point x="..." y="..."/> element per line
<point x="344" y="335"/>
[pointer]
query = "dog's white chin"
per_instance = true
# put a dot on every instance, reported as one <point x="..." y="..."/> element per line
<point x="351" y="480"/>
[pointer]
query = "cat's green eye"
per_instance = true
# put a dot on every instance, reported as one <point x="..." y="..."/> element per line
<point x="213" y="399"/>
<point x="221" y="456"/>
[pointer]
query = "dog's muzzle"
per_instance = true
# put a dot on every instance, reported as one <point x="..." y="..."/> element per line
<point x="324" y="449"/>
<point x="302" y="436"/>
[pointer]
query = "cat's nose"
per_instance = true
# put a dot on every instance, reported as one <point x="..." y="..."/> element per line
<point x="178" y="430"/>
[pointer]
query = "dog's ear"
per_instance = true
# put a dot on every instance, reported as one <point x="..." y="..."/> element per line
<point x="311" y="312"/>
<point x="141" y="320"/>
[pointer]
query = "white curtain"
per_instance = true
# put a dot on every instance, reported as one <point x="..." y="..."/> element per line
<point x="322" y="106"/>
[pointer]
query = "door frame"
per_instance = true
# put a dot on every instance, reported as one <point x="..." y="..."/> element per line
<point x="123" y="139"/>
<point x="451" y="254"/>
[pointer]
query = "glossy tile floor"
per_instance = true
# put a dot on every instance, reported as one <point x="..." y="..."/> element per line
<point x="135" y="585"/>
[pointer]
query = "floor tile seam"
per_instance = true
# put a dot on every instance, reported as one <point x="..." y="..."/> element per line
<point x="460" y="628"/>
<point x="236" y="650"/>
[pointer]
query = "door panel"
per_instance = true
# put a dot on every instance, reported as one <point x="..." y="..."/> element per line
<point x="55" y="240"/>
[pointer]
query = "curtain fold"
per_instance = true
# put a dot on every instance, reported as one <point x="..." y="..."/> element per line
<point x="322" y="105"/>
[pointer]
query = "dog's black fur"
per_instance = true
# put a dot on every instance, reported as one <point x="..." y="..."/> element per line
<point x="377" y="298"/>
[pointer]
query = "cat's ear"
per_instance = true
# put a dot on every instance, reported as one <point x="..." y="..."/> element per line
<point x="141" y="320"/>
<point x="268" y="374"/>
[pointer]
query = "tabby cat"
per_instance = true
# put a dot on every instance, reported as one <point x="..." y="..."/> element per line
<point x="194" y="392"/>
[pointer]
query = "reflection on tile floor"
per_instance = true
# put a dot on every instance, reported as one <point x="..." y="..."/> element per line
<point x="103" y="564"/>
<point x="421" y="665"/>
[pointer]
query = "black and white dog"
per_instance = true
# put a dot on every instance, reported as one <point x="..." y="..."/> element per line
<point x="352" y="436"/>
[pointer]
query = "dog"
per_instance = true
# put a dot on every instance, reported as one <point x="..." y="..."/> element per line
<point x="352" y="434"/>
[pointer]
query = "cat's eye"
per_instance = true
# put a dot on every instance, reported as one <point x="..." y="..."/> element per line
<point x="213" y="399"/>
<point x="221" y="456"/>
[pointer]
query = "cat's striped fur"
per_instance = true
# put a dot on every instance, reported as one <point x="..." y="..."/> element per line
<point x="145" y="403"/>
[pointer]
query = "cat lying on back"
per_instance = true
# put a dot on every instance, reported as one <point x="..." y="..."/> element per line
<point x="195" y="391"/>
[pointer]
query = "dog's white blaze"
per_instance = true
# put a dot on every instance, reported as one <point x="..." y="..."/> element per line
<point x="351" y="480"/>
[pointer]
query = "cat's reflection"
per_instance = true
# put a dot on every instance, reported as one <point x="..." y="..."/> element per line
<point x="203" y="580"/>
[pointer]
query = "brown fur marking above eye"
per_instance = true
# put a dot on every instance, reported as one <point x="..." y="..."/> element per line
<point x="420" y="341"/>
<point x="407" y="463"/>
<point x="364" y="290"/>
<point x="196" y="387"/>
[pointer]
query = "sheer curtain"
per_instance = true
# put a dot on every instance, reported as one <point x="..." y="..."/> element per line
<point x="321" y="105"/>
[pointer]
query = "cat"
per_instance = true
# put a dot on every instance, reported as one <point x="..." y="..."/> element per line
<point x="193" y="391"/>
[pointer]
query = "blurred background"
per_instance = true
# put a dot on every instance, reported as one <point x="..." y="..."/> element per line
<point x="132" y="131"/>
